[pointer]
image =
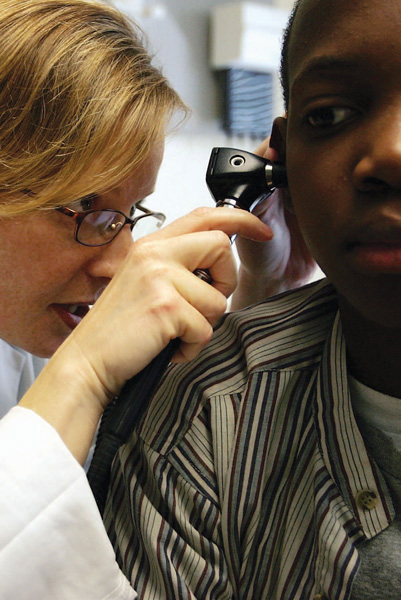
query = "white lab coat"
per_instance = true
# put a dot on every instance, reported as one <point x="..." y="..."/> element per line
<point x="52" y="541"/>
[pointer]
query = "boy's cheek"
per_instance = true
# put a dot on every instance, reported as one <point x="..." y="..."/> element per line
<point x="314" y="172"/>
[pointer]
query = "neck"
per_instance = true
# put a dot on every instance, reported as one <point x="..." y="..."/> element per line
<point x="373" y="351"/>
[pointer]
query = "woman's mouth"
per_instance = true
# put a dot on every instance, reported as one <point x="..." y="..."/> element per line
<point x="71" y="314"/>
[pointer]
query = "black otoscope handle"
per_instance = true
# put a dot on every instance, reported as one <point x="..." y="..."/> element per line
<point x="237" y="179"/>
<point x="121" y="419"/>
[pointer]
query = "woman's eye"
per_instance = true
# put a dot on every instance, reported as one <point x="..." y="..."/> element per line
<point x="84" y="204"/>
<point x="329" y="116"/>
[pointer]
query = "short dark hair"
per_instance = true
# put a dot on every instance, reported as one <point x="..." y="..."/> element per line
<point x="284" y="78"/>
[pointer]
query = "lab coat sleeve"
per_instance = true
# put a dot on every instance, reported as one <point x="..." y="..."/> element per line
<point x="52" y="540"/>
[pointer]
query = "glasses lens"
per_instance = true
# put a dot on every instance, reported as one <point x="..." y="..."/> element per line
<point x="147" y="224"/>
<point x="99" y="227"/>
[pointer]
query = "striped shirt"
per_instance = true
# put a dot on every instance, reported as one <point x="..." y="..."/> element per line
<point x="246" y="478"/>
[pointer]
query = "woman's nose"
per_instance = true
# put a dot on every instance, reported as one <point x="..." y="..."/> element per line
<point x="109" y="257"/>
<point x="379" y="168"/>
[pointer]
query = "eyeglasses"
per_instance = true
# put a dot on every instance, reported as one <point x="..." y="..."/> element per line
<point x="100" y="227"/>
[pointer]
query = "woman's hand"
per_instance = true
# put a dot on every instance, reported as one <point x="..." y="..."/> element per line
<point x="279" y="265"/>
<point x="153" y="298"/>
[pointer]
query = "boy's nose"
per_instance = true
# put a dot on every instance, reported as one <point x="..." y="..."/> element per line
<point x="379" y="167"/>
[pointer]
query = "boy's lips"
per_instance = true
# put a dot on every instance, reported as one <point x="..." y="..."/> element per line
<point x="72" y="314"/>
<point x="377" y="251"/>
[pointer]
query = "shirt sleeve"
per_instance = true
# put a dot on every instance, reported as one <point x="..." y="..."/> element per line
<point x="52" y="540"/>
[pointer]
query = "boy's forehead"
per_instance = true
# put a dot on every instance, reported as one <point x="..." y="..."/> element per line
<point x="319" y="22"/>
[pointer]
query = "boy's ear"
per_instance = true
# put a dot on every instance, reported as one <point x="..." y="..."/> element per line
<point x="278" y="142"/>
<point x="278" y="137"/>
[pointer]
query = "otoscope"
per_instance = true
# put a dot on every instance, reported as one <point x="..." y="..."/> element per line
<point x="236" y="179"/>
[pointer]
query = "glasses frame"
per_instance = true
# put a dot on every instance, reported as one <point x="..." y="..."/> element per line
<point x="78" y="218"/>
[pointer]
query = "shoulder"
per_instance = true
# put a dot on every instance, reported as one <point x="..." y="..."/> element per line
<point x="281" y="332"/>
<point x="277" y="322"/>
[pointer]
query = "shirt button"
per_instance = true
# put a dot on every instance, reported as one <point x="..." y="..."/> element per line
<point x="318" y="597"/>
<point x="367" y="499"/>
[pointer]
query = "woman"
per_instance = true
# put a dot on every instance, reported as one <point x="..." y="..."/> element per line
<point x="83" y="117"/>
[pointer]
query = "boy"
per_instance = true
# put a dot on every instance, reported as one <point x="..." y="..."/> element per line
<point x="270" y="467"/>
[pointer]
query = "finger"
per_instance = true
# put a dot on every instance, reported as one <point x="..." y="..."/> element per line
<point x="227" y="220"/>
<point x="270" y="208"/>
<point x="173" y="262"/>
<point x="208" y="299"/>
<point x="213" y="252"/>
<point x="194" y="337"/>
<point x="266" y="151"/>
<point x="210" y="250"/>
<point x="263" y="147"/>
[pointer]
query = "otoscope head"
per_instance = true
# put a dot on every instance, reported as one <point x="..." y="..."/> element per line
<point x="239" y="178"/>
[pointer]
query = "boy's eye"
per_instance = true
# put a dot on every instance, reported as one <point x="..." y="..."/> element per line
<point x="329" y="116"/>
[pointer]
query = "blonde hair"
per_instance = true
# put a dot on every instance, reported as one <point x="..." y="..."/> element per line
<point x="81" y="105"/>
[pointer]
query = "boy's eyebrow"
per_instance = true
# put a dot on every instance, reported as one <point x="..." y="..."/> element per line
<point x="323" y="65"/>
